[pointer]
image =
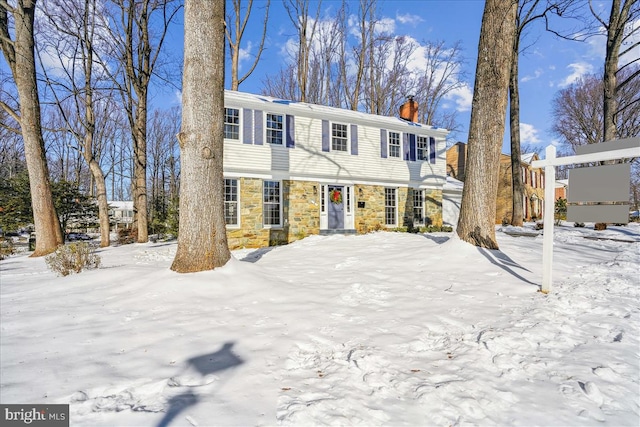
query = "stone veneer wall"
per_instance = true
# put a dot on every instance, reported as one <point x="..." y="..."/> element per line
<point x="372" y="218"/>
<point x="301" y="212"/>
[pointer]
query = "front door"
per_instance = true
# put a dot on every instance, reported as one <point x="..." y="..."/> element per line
<point x="336" y="207"/>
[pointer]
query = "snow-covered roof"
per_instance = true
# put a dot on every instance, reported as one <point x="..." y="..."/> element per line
<point x="453" y="184"/>
<point x="121" y="204"/>
<point x="527" y="158"/>
<point x="562" y="183"/>
<point x="249" y="100"/>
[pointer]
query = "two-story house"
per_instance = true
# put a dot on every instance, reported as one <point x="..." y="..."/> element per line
<point x="533" y="179"/>
<point x="293" y="169"/>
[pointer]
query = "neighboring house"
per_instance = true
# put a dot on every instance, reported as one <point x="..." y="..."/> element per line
<point x="293" y="169"/>
<point x="533" y="179"/>
<point x="561" y="189"/>
<point x="120" y="214"/>
<point x="451" y="201"/>
<point x="457" y="161"/>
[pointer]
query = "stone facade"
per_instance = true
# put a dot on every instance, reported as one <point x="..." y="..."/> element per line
<point x="301" y="212"/>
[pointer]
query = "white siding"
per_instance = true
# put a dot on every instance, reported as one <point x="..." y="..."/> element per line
<point x="308" y="161"/>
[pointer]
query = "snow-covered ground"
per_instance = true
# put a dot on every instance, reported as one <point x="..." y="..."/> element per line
<point x="379" y="329"/>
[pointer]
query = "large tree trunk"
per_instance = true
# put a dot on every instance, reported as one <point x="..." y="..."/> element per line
<point x="486" y="130"/>
<point x="617" y="20"/>
<point x="202" y="238"/>
<point x="21" y="59"/>
<point x="140" y="169"/>
<point x="103" y="206"/>
<point x="517" y="210"/>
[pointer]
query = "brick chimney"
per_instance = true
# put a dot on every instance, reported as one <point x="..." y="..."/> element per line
<point x="409" y="110"/>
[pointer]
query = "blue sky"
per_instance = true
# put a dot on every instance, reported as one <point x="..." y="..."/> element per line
<point x="548" y="64"/>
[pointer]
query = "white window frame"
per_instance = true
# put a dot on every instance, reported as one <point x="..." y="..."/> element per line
<point x="420" y="192"/>
<point x="347" y="137"/>
<point x="394" y="207"/>
<point x="398" y="145"/>
<point x="425" y="151"/>
<point x="236" y="202"/>
<point x="281" y="130"/>
<point x="238" y="125"/>
<point x="280" y="190"/>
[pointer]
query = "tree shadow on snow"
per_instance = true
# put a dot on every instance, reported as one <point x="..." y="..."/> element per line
<point x="257" y="254"/>
<point x="204" y="365"/>
<point x="503" y="261"/>
<point x="437" y="239"/>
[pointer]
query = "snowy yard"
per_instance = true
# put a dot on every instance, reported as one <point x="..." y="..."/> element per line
<point x="379" y="329"/>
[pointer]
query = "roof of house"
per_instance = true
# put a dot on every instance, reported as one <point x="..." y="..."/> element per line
<point x="527" y="158"/>
<point x="319" y="111"/>
<point x="453" y="184"/>
<point x="121" y="204"/>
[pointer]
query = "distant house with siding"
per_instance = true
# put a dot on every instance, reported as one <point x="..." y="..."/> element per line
<point x="120" y="214"/>
<point x="294" y="169"/>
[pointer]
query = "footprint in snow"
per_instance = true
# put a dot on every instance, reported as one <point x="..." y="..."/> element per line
<point x="592" y="392"/>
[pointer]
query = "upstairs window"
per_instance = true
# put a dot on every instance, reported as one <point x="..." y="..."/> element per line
<point x="338" y="137"/>
<point x="422" y="148"/>
<point x="275" y="129"/>
<point x="394" y="144"/>
<point x="232" y="123"/>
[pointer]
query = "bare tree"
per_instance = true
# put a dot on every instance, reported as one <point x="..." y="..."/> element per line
<point x="529" y="11"/>
<point x="65" y="159"/>
<point x="75" y="36"/>
<point x="578" y="110"/>
<point x="12" y="160"/>
<point x="352" y="82"/>
<point x="163" y="152"/>
<point x="305" y="26"/>
<point x="20" y="55"/>
<point x="139" y="44"/>
<point x="202" y="240"/>
<point x="324" y="75"/>
<point x="388" y="79"/>
<point x="620" y="30"/>
<point x="442" y="75"/>
<point x="495" y="56"/>
<point x="236" y="24"/>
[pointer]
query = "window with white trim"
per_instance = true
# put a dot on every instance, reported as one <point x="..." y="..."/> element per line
<point x="422" y="147"/>
<point x="231" y="208"/>
<point x="390" y="208"/>
<point x="339" y="136"/>
<point x="418" y="206"/>
<point x="394" y="144"/>
<point x="275" y="128"/>
<point x="271" y="203"/>
<point x="232" y="123"/>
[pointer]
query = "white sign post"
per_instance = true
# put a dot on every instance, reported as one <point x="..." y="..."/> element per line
<point x="620" y="149"/>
